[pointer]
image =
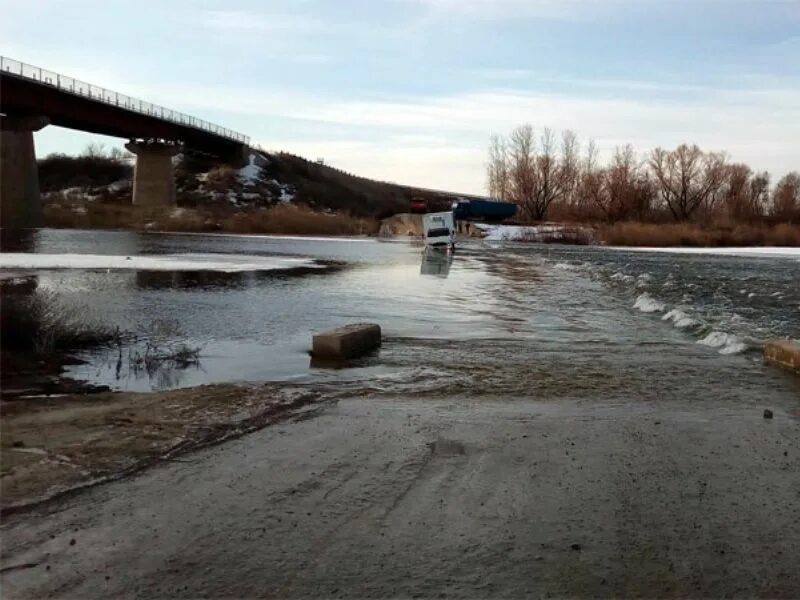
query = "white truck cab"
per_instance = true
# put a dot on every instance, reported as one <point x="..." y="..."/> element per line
<point x="439" y="230"/>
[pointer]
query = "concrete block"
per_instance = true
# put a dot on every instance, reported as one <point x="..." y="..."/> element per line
<point x="349" y="341"/>
<point x="783" y="353"/>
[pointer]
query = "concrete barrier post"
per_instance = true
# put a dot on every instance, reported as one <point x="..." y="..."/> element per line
<point x="783" y="353"/>
<point x="346" y="342"/>
<point x="153" y="178"/>
<point x="20" y="201"/>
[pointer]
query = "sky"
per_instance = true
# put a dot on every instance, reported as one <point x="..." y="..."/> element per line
<point x="410" y="90"/>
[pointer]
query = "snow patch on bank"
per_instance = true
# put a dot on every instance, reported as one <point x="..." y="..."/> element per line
<point x="535" y="233"/>
<point x="249" y="174"/>
<point x="227" y="263"/>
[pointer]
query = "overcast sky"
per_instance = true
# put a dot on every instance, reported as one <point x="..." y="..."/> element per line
<point x="410" y="90"/>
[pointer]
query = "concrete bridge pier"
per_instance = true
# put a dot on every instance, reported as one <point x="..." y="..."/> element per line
<point x="20" y="202"/>
<point x="154" y="177"/>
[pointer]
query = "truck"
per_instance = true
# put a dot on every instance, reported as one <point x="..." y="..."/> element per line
<point x="418" y="205"/>
<point x="439" y="230"/>
<point x="483" y="210"/>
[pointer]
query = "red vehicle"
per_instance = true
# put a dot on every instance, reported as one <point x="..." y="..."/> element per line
<point x="418" y="205"/>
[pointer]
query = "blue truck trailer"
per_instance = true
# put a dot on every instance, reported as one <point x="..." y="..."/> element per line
<point x="483" y="210"/>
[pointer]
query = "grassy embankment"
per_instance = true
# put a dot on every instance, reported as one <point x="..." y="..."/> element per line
<point x="688" y="234"/>
<point x="94" y="191"/>
<point x="280" y="219"/>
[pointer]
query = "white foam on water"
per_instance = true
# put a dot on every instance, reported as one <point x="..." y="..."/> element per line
<point x="733" y="348"/>
<point x="564" y="266"/>
<point x="679" y="318"/>
<point x="726" y="343"/>
<point x="647" y="304"/>
<point x="228" y="263"/>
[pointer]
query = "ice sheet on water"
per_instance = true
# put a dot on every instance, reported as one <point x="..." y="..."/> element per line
<point x="228" y="263"/>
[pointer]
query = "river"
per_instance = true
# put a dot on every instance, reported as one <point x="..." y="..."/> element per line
<point x="495" y="319"/>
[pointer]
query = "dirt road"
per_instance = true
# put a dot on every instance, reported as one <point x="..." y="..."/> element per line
<point x="441" y="498"/>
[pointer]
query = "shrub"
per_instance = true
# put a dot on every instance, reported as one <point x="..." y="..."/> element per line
<point x="685" y="234"/>
<point x="297" y="220"/>
<point x="59" y="171"/>
<point x="38" y="322"/>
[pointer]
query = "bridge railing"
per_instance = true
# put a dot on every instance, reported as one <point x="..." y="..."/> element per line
<point x="81" y="88"/>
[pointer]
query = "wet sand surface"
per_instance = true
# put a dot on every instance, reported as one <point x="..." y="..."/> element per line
<point x="378" y="497"/>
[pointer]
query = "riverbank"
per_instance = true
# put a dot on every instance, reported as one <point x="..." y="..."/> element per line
<point x="297" y="219"/>
<point x="53" y="445"/>
<point x="285" y="219"/>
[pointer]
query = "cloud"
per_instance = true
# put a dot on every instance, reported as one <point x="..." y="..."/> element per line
<point x="757" y="124"/>
<point x="682" y="12"/>
<point x="439" y="141"/>
<point x="497" y="10"/>
<point x="240" y="21"/>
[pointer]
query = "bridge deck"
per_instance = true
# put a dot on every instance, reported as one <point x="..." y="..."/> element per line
<point x="71" y="103"/>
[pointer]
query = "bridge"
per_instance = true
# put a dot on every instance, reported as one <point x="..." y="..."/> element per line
<point x="32" y="98"/>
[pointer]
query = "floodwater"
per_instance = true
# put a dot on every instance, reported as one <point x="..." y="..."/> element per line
<point x="496" y="319"/>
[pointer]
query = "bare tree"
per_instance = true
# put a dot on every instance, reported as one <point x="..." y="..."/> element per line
<point x="589" y="178"/>
<point x="687" y="177"/>
<point x="498" y="169"/>
<point x="594" y="190"/>
<point x="621" y="179"/>
<point x="94" y="150"/>
<point x="539" y="174"/>
<point x="745" y="195"/>
<point x="759" y="194"/>
<point x="622" y="190"/>
<point x="733" y="195"/>
<point x="786" y="198"/>
<point x="549" y="181"/>
<point x="522" y="166"/>
<point x="570" y="164"/>
<point x="590" y="158"/>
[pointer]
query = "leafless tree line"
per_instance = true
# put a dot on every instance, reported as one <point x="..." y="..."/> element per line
<point x="540" y="173"/>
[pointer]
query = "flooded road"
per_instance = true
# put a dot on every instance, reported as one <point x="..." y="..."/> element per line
<point x="494" y="319"/>
<point x="535" y="424"/>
